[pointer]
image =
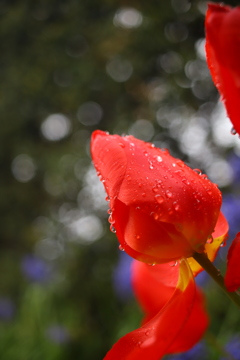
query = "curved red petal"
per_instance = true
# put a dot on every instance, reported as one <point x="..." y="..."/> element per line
<point x="223" y="52"/>
<point x="172" y="199"/>
<point x="194" y="328"/>
<point x="154" y="339"/>
<point x="153" y="288"/>
<point x="232" y="277"/>
<point x="219" y="236"/>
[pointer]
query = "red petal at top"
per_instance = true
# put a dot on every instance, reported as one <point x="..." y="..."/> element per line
<point x="223" y="53"/>
<point x="162" y="210"/>
<point x="232" y="277"/>
<point x="165" y="332"/>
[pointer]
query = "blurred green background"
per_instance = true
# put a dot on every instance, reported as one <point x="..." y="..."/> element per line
<point x="68" y="67"/>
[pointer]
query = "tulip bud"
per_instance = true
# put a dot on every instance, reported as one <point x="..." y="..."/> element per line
<point x="161" y="209"/>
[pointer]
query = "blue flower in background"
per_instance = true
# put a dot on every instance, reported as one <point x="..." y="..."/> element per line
<point x="233" y="348"/>
<point x="122" y="277"/>
<point x="198" y="352"/>
<point x="234" y="162"/>
<point x="58" y="334"/>
<point x="231" y="210"/>
<point x="36" y="269"/>
<point x="7" y="309"/>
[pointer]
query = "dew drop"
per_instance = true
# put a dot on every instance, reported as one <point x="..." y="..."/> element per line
<point x="144" y="194"/>
<point x="155" y="189"/>
<point x="109" y="211"/>
<point x="107" y="198"/>
<point x="180" y="163"/>
<point x="129" y="177"/>
<point x="174" y="165"/>
<point x="177" y="207"/>
<point x="112" y="228"/>
<point x="169" y="194"/>
<point x="155" y="216"/>
<point x="122" y="145"/>
<point x="152" y="264"/>
<point x="173" y="263"/>
<point x="159" y="158"/>
<point x="198" y="171"/>
<point x="137" y="237"/>
<point x="121" y="248"/>
<point x="159" y="199"/>
<point x="223" y="244"/>
<point x="210" y="240"/>
<point x="233" y="131"/>
<point x="147" y="333"/>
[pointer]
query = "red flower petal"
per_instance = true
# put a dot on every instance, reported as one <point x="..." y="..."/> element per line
<point x="157" y="337"/>
<point x="232" y="277"/>
<point x="223" y="53"/>
<point x="153" y="287"/>
<point x="161" y="209"/>
<point x="219" y="235"/>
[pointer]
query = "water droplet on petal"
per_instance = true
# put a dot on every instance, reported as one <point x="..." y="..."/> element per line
<point x="112" y="228"/>
<point x="107" y="198"/>
<point x="173" y="263"/>
<point x="169" y="194"/>
<point x="122" y="145"/>
<point x="121" y="248"/>
<point x="159" y="158"/>
<point x="177" y="207"/>
<point x="198" y="171"/>
<point x="210" y="239"/>
<point x="223" y="243"/>
<point x="159" y="199"/>
<point x="233" y="131"/>
<point x="144" y="194"/>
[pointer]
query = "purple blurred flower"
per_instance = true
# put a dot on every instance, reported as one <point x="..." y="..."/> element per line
<point x="198" y="352"/>
<point x="231" y="210"/>
<point x="202" y="279"/>
<point x="36" y="269"/>
<point x="233" y="348"/>
<point x="58" y="334"/>
<point x="234" y="162"/>
<point x="122" y="277"/>
<point x="7" y="309"/>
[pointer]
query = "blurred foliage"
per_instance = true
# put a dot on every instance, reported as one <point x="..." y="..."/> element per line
<point x="67" y="68"/>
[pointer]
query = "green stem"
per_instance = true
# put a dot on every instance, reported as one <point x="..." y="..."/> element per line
<point x="207" y="265"/>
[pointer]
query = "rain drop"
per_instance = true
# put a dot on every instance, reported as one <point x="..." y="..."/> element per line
<point x="198" y="171"/>
<point x="159" y="158"/>
<point x="122" y="145"/>
<point x="233" y="131"/>
<point x="159" y="199"/>
<point x="169" y="194"/>
<point x="155" y="189"/>
<point x="121" y="248"/>
<point x="112" y="228"/>
<point x="177" y="207"/>
<point x="107" y="198"/>
<point x="173" y="263"/>
<point x="210" y="240"/>
<point x="223" y="244"/>
<point x="144" y="194"/>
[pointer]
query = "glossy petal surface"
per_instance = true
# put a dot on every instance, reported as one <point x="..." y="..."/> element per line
<point x="161" y="209"/>
<point x="223" y="53"/>
<point x="160" y="335"/>
<point x="232" y="277"/>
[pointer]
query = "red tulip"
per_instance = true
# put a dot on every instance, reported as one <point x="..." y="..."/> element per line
<point x="161" y="209"/>
<point x="223" y="53"/>
<point x="175" y="313"/>
<point x="232" y="277"/>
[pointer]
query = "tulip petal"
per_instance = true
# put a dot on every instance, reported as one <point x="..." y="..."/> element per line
<point x="219" y="237"/>
<point x="157" y="201"/>
<point x="154" y="339"/>
<point x="232" y="277"/>
<point x="223" y="53"/>
<point x="153" y="287"/>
